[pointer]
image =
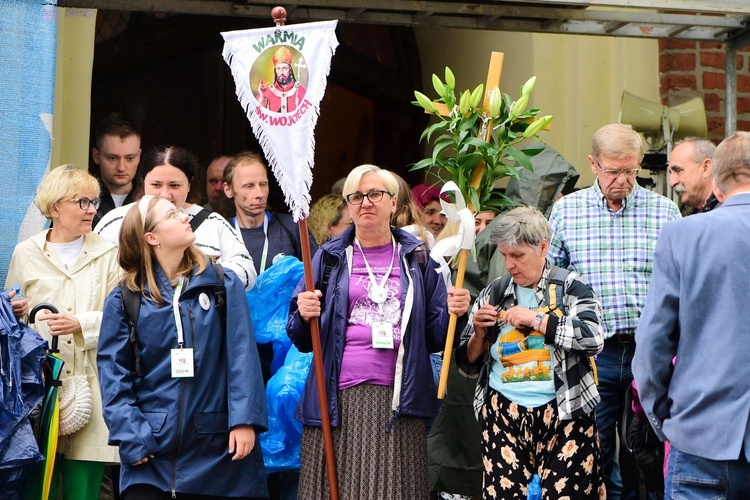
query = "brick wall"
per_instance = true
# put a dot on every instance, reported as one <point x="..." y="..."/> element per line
<point x="689" y="68"/>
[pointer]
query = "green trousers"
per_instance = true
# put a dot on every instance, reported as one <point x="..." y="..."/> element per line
<point x="80" y="480"/>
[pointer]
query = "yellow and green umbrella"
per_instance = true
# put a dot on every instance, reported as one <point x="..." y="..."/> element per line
<point x="40" y="480"/>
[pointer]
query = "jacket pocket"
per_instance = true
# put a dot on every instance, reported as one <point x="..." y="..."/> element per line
<point x="211" y="423"/>
<point x="155" y="419"/>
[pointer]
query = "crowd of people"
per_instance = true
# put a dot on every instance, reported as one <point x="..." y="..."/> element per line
<point x="154" y="320"/>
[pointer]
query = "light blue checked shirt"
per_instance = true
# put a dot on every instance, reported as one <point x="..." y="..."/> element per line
<point x="613" y="251"/>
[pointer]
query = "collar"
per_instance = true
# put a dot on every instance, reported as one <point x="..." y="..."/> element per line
<point x="93" y="244"/>
<point x="626" y="202"/>
<point x="337" y="246"/>
<point x="207" y="278"/>
<point x="510" y="291"/>
<point x="710" y="204"/>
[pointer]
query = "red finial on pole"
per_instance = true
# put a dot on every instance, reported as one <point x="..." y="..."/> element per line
<point x="278" y="14"/>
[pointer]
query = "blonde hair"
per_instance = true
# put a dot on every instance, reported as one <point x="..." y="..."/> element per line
<point x="63" y="183"/>
<point x="324" y="213"/>
<point x="407" y="212"/>
<point x="355" y="176"/>
<point x="616" y="140"/>
<point x="137" y="257"/>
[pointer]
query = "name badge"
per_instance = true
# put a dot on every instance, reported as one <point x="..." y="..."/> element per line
<point x="382" y="335"/>
<point x="182" y="363"/>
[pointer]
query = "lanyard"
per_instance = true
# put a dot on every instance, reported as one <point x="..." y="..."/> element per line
<point x="265" y="243"/>
<point x="378" y="292"/>
<point x="176" y="310"/>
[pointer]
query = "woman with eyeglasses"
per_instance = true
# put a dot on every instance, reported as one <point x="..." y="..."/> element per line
<point x="168" y="171"/>
<point x="73" y="269"/>
<point x="383" y="310"/>
<point x="184" y="399"/>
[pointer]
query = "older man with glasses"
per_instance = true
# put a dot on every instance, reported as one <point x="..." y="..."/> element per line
<point x="607" y="233"/>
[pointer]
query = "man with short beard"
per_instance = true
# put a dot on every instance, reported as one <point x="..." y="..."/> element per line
<point x="690" y="174"/>
<point x="285" y="94"/>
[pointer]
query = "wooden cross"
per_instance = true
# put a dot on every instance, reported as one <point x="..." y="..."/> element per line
<point x="493" y="80"/>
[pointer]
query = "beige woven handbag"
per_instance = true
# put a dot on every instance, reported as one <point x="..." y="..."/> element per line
<point x="75" y="402"/>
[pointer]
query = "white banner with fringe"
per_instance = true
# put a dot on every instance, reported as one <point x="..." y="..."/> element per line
<point x="281" y="75"/>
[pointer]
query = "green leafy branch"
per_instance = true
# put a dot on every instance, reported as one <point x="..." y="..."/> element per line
<point x="473" y="139"/>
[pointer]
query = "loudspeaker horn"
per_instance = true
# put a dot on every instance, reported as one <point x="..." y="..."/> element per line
<point x="644" y="116"/>
<point x="688" y="119"/>
<point x="652" y="119"/>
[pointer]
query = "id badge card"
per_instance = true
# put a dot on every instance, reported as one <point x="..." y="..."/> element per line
<point x="182" y="363"/>
<point x="382" y="335"/>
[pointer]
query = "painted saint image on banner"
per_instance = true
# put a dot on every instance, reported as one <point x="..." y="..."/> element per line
<point x="279" y="78"/>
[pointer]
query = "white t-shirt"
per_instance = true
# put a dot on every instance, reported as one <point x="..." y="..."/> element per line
<point x="68" y="252"/>
<point x="119" y="199"/>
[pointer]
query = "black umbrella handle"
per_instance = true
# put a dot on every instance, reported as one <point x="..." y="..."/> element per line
<point x="48" y="307"/>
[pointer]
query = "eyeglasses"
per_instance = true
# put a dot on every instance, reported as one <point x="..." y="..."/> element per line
<point x="85" y="203"/>
<point x="613" y="173"/>
<point x="374" y="196"/>
<point x="175" y="213"/>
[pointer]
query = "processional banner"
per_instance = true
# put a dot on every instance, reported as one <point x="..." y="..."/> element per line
<point x="280" y="74"/>
<point x="28" y="31"/>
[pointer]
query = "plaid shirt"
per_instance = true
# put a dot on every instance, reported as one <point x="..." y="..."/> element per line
<point x="575" y="336"/>
<point x="612" y="250"/>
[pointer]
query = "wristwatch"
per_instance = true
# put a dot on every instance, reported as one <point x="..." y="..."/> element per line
<point x="538" y="320"/>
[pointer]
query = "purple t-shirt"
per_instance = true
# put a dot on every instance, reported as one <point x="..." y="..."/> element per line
<point x="361" y="363"/>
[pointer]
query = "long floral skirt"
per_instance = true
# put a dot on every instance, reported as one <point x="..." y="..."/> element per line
<point x="518" y="442"/>
<point x="370" y="462"/>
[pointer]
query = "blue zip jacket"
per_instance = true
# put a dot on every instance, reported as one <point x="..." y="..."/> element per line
<point x="184" y="422"/>
<point x="426" y="323"/>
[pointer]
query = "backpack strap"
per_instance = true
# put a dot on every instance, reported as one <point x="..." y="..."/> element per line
<point x="497" y="289"/>
<point x="420" y="253"/>
<point x="131" y="303"/>
<point x="329" y="262"/>
<point x="557" y="277"/>
<point x="220" y="294"/>
<point x="556" y="306"/>
<point x="198" y="218"/>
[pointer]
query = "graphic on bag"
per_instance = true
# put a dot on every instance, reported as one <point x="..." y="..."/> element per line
<point x="526" y="357"/>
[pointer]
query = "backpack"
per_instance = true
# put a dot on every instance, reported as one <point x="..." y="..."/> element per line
<point x="641" y="452"/>
<point x="131" y="303"/>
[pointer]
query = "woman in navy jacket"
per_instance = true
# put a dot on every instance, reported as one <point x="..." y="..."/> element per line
<point x="382" y="313"/>
<point x="186" y="425"/>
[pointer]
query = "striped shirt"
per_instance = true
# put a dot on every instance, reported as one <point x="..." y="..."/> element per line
<point x="613" y="251"/>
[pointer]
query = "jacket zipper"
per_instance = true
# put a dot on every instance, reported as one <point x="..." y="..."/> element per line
<point x="179" y="423"/>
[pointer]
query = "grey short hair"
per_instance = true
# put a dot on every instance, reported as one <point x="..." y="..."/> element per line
<point x="731" y="162"/>
<point x="702" y="148"/>
<point x="616" y="140"/>
<point x="522" y="226"/>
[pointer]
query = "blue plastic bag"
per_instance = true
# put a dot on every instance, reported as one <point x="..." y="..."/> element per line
<point x="281" y="443"/>
<point x="535" y="489"/>
<point x="269" y="305"/>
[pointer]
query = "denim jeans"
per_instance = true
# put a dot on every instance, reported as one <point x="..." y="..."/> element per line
<point x="613" y="367"/>
<point x="691" y="477"/>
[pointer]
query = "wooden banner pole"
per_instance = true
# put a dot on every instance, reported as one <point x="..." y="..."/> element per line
<point x="325" y="419"/>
